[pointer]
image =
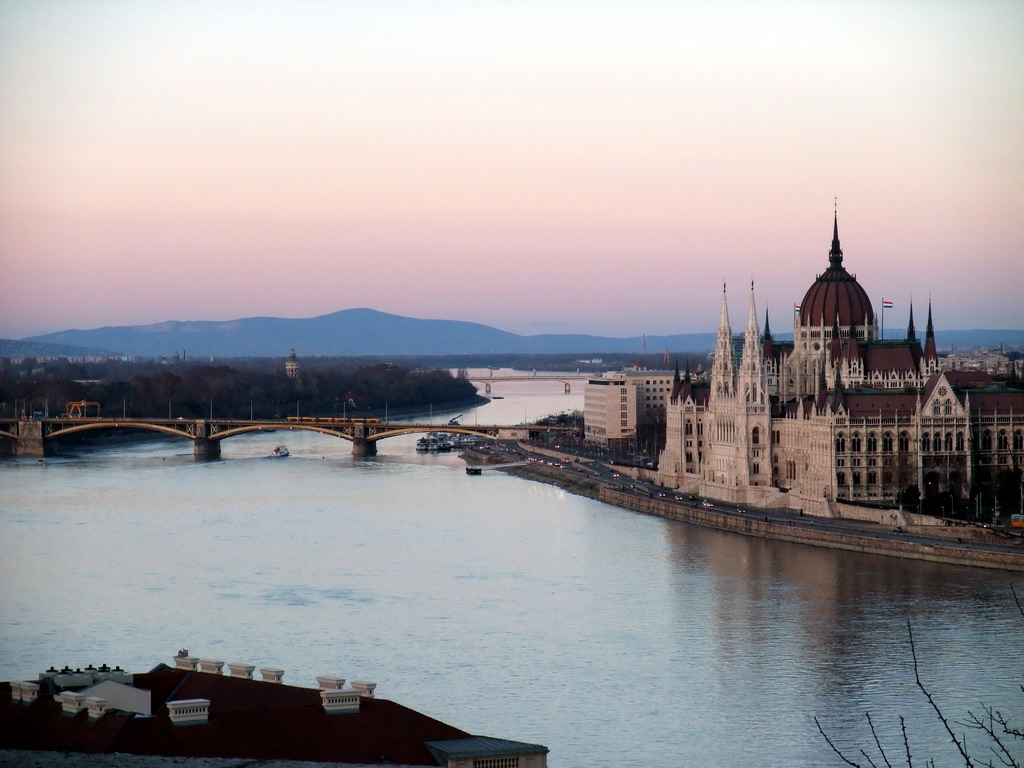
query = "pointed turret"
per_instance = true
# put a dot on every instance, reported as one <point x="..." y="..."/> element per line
<point x="751" y="377"/>
<point x="677" y="384"/>
<point x="835" y="349"/>
<point x="768" y="348"/>
<point x="835" y="256"/>
<point x="751" y="336"/>
<point x="687" y="389"/>
<point x="852" y="353"/>
<point x="911" y="333"/>
<point x="822" y="399"/>
<point x="929" y="337"/>
<point x="722" y="371"/>
<point x="838" y="398"/>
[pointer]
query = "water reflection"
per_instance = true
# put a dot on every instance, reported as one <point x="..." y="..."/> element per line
<point x="503" y="606"/>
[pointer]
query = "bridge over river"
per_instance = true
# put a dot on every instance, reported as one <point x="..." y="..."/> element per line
<point x="35" y="438"/>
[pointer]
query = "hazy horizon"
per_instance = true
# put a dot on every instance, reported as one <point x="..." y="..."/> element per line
<point x="563" y="167"/>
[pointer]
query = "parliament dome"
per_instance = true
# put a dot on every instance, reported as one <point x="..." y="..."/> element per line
<point x="836" y="294"/>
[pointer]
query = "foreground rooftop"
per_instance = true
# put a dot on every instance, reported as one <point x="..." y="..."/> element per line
<point x="195" y="710"/>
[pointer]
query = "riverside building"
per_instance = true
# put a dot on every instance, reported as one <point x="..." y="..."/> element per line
<point x="839" y="413"/>
<point x="615" y="404"/>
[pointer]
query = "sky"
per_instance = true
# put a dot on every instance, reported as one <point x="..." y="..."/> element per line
<point x="556" y="166"/>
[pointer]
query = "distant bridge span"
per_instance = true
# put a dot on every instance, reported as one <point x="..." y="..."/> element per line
<point x="33" y="437"/>
<point x="565" y="379"/>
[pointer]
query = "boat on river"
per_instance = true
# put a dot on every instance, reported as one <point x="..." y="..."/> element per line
<point x="279" y="452"/>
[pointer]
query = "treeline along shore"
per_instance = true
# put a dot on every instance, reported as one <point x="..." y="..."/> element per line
<point x="255" y="388"/>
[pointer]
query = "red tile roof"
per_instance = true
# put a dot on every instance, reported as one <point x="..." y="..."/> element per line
<point x="248" y="719"/>
<point x="887" y="403"/>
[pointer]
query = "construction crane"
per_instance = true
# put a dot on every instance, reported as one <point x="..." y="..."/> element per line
<point x="80" y="409"/>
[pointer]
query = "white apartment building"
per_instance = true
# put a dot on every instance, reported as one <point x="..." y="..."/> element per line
<point x="616" y="402"/>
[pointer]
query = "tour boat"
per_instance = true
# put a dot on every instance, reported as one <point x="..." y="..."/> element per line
<point x="279" y="452"/>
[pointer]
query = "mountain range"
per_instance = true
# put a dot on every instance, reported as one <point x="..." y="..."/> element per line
<point x="367" y="332"/>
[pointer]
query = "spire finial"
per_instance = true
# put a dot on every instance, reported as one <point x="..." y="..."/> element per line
<point x="835" y="256"/>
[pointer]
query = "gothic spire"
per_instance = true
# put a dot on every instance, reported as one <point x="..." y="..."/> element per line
<point x="835" y="256"/>
<point x="767" y="329"/>
<point x="930" y="352"/>
<point x="911" y="334"/>
<point x="722" y="372"/>
<point x="751" y="334"/>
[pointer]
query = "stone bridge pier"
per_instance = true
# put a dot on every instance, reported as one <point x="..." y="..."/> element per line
<point x="30" y="439"/>
<point x="363" y="447"/>
<point x="204" y="448"/>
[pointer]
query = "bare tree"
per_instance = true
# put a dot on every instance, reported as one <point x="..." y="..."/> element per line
<point x="1002" y="735"/>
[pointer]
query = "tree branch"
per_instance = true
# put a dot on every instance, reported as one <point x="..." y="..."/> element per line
<point x="942" y="718"/>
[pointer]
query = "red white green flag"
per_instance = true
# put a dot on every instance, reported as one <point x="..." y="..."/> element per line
<point x="886" y="304"/>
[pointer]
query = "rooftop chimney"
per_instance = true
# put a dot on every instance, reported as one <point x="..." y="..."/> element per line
<point x="186" y="662"/>
<point x="97" y="707"/>
<point x="271" y="674"/>
<point x="328" y="683"/>
<point x="340" y="701"/>
<point x="71" y="702"/>
<point x="365" y="689"/>
<point x="24" y="691"/>
<point x="189" y="711"/>
<point x="241" y="670"/>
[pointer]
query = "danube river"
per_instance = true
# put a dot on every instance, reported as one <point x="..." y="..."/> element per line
<point x="503" y="606"/>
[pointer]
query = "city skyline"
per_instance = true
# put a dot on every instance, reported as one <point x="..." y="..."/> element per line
<point x="563" y="168"/>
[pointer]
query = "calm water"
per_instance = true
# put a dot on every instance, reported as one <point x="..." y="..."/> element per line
<point x="502" y="606"/>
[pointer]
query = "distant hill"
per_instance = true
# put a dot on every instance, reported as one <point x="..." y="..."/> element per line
<point x="351" y="332"/>
<point x="355" y="332"/>
<point x="26" y="348"/>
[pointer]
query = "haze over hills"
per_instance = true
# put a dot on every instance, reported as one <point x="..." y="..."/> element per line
<point x="361" y="332"/>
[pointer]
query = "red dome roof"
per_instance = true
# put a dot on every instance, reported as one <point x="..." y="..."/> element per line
<point x="836" y="294"/>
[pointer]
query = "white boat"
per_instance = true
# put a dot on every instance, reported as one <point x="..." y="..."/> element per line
<point x="279" y="452"/>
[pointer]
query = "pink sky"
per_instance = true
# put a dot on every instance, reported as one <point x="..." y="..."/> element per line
<point x="556" y="166"/>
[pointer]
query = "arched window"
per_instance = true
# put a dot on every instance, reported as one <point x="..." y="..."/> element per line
<point x="841" y="478"/>
<point x="937" y="441"/>
<point x="986" y="440"/>
<point x="855" y="445"/>
<point x="947" y="408"/>
<point x="904" y="442"/>
<point x="755" y="436"/>
<point x="689" y="427"/>
<point x="887" y="442"/>
<point x="926" y="442"/>
<point x="1004" y="442"/>
<point x="856" y="478"/>
<point x="872" y="442"/>
<point x="840" y="443"/>
<point x="959" y="441"/>
<point x="949" y="442"/>
<point x="1018" y="441"/>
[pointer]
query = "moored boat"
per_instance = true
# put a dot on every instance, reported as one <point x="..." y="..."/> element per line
<point x="279" y="451"/>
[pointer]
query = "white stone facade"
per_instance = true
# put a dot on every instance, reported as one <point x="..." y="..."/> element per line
<point x="838" y="414"/>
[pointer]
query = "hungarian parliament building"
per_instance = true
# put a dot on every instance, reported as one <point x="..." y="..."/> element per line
<point x="838" y="413"/>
